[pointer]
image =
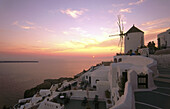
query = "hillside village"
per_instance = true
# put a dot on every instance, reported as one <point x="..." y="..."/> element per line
<point x="116" y="84"/>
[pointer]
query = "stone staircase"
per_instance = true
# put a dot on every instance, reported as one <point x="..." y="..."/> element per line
<point x="158" y="98"/>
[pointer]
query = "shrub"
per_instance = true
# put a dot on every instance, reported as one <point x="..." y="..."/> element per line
<point x="107" y="94"/>
<point x="109" y="102"/>
<point x="121" y="84"/>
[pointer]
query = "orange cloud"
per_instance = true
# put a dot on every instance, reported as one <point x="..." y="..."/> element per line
<point x="74" y="13"/>
<point x="30" y="23"/>
<point x="106" y="43"/>
<point x="127" y="10"/>
<point x="117" y="5"/>
<point x="27" y="25"/>
<point x="157" y="23"/>
<point x="136" y="3"/>
<point x="154" y="27"/>
<point x="151" y="34"/>
<point x="107" y="47"/>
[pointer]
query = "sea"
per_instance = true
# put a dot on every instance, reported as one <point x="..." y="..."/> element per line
<point x="15" y="78"/>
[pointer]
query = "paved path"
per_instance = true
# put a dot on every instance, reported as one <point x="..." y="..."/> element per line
<point x="158" y="98"/>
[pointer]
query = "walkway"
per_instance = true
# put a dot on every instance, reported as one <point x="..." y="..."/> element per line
<point x="158" y="98"/>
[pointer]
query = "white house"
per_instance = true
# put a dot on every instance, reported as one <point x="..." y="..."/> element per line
<point x="98" y="74"/>
<point x="164" y="39"/>
<point x="138" y="72"/>
<point x="134" y="38"/>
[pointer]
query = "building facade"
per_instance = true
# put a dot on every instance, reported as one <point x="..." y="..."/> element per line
<point x="164" y="39"/>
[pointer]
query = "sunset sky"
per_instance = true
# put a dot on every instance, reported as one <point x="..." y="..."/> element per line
<point x="76" y="27"/>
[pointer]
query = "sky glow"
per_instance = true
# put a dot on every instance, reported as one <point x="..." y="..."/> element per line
<point x="76" y="27"/>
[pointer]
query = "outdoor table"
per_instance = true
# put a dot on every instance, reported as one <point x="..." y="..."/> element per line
<point x="61" y="96"/>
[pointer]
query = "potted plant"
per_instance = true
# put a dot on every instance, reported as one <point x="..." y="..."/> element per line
<point x="121" y="84"/>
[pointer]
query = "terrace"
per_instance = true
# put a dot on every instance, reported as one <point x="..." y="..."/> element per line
<point x="63" y="98"/>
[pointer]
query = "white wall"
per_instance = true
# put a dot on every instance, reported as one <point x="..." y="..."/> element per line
<point x="50" y="105"/>
<point x="114" y="71"/>
<point x="35" y="99"/>
<point x="126" y="101"/>
<point x="134" y="41"/>
<point x="44" y="92"/>
<point x="94" y="78"/>
<point x="102" y="86"/>
<point x="80" y="94"/>
<point x="164" y="36"/>
<point x="162" y="60"/>
<point x="101" y="74"/>
<point x="134" y="65"/>
<point x="135" y="60"/>
<point x="132" y="79"/>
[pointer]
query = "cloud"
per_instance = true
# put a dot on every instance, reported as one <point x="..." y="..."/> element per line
<point x="117" y="5"/>
<point x="93" y="46"/>
<point x="65" y="32"/>
<point x="136" y="3"/>
<point x="15" y="23"/>
<point x="74" y="13"/>
<point x="127" y="10"/>
<point x="27" y="25"/>
<point x="49" y="30"/>
<point x="110" y="11"/>
<point x="107" y="31"/>
<point x="157" y="22"/>
<point x="75" y="44"/>
<point x="156" y="31"/>
<point x="77" y="31"/>
<point x="106" y="43"/>
<point x="154" y="27"/>
<point x="151" y="34"/>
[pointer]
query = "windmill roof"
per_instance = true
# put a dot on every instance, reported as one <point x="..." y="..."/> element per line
<point x="134" y="29"/>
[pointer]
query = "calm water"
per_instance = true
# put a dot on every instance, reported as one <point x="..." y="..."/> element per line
<point x="15" y="78"/>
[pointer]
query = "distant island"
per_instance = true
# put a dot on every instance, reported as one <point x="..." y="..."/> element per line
<point x="19" y="61"/>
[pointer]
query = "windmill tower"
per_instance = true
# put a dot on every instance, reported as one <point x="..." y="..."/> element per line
<point x="134" y="38"/>
<point x="121" y="35"/>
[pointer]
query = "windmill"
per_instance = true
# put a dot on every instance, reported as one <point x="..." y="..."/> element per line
<point x="121" y="29"/>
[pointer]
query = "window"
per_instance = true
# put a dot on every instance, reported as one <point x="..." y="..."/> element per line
<point x="120" y="60"/>
<point x="115" y="60"/>
<point x="94" y="86"/>
<point x="127" y="38"/>
<point x="97" y="80"/>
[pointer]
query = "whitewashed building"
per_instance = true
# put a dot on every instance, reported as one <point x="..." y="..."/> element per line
<point x="96" y="75"/>
<point x="134" y="38"/>
<point x="164" y="39"/>
<point x="138" y="71"/>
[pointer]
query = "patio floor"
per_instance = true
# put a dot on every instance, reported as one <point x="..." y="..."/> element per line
<point x="76" y="104"/>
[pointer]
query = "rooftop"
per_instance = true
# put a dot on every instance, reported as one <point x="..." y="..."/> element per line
<point x="134" y="29"/>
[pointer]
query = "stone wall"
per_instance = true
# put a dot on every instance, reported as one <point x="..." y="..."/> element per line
<point x="162" y="60"/>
